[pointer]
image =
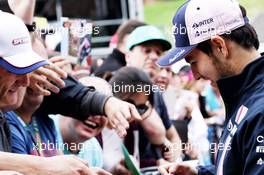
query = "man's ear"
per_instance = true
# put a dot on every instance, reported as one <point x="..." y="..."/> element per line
<point x="219" y="45"/>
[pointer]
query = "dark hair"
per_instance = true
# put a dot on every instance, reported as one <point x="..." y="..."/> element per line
<point x="130" y="76"/>
<point x="185" y="69"/>
<point x="245" y="36"/>
<point x="127" y="28"/>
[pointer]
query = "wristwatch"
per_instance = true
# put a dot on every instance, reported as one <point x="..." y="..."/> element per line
<point x="31" y="27"/>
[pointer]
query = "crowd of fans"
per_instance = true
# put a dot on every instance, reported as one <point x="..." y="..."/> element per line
<point x="181" y="118"/>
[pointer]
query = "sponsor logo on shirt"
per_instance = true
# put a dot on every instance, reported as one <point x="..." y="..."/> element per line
<point x="260" y="162"/>
<point x="260" y="149"/>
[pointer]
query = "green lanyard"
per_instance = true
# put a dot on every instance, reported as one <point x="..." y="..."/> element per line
<point x="35" y="137"/>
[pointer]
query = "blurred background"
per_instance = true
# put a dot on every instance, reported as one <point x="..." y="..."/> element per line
<point x="161" y="12"/>
<point x="109" y="14"/>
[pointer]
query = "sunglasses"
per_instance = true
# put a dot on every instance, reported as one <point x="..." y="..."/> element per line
<point x="141" y="108"/>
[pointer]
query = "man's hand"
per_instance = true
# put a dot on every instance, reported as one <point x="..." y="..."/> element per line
<point x="40" y="79"/>
<point x="62" y="63"/>
<point x="121" y="168"/>
<point x="181" y="168"/>
<point x="66" y="165"/>
<point x="99" y="171"/>
<point x="169" y="154"/>
<point x="119" y="113"/>
<point x="10" y="173"/>
<point x="23" y="9"/>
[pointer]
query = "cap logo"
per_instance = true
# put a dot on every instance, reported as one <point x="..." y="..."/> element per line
<point x="202" y="23"/>
<point x="21" y="40"/>
<point x="177" y="55"/>
<point x="199" y="33"/>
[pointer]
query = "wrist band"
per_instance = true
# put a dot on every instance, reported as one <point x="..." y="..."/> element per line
<point x="31" y="27"/>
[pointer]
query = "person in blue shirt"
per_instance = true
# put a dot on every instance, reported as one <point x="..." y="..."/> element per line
<point x="221" y="46"/>
<point x="74" y="137"/>
<point x="78" y="138"/>
<point x="31" y="134"/>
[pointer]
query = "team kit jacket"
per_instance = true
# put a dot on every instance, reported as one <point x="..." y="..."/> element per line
<point x="242" y="141"/>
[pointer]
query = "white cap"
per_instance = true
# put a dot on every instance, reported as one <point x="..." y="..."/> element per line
<point x="16" y="54"/>
<point x="197" y="21"/>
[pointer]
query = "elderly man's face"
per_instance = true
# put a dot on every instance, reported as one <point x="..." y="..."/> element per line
<point x="12" y="89"/>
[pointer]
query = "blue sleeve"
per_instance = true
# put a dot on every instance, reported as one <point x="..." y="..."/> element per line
<point x="18" y="144"/>
<point x="18" y="136"/>
<point x="92" y="152"/>
<point x="161" y="109"/>
<point x="206" y="170"/>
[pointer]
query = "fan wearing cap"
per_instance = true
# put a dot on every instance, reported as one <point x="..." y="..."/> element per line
<point x="221" y="46"/>
<point x="145" y="45"/>
<point x="116" y="59"/>
<point x="17" y="58"/>
<point x="16" y="62"/>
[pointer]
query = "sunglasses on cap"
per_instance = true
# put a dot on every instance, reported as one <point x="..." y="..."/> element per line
<point x="141" y="108"/>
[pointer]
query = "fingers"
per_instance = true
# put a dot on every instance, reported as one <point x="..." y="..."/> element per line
<point x="113" y="122"/>
<point x="40" y="90"/>
<point x="135" y="115"/>
<point x="177" y="168"/>
<point x="80" y="160"/>
<point x="168" y="169"/>
<point x="35" y="84"/>
<point x="173" y="169"/>
<point x="42" y="84"/>
<point x="119" y="113"/>
<point x="122" y="119"/>
<point x="122" y="170"/>
<point x="51" y="75"/>
<point x="56" y="59"/>
<point x="100" y="171"/>
<point x="57" y="70"/>
<point x="169" y="156"/>
<point x="121" y="131"/>
<point x="59" y="61"/>
<point x="84" y="169"/>
<point x="126" y="112"/>
<point x="47" y="78"/>
<point x="62" y="64"/>
<point x="163" y="170"/>
<point x="121" y="124"/>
